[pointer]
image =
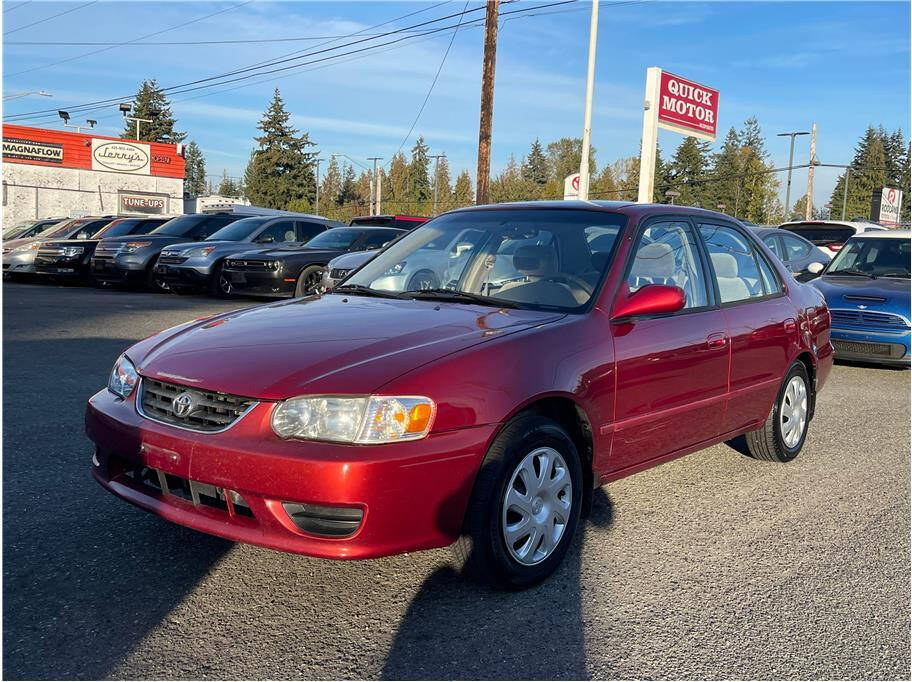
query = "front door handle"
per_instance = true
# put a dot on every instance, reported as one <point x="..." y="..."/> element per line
<point x="790" y="325"/>
<point x="717" y="340"/>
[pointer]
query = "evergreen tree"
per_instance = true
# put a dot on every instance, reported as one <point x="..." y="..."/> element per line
<point x="535" y="166"/>
<point x="330" y="189"/>
<point x="281" y="168"/>
<point x="564" y="158"/>
<point x="603" y="185"/>
<point x="194" y="171"/>
<point x="347" y="193"/>
<point x="419" y="184"/>
<point x="228" y="187"/>
<point x="895" y="152"/>
<point x="867" y="173"/>
<point x="444" y="186"/>
<point x="510" y="185"/>
<point x="723" y="184"/>
<point x="759" y="187"/>
<point x="395" y="186"/>
<point x="151" y="103"/>
<point x="687" y="171"/>
<point x="463" y="193"/>
<point x="904" y="182"/>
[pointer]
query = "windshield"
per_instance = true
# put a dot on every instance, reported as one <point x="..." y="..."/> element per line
<point x="118" y="228"/>
<point x="339" y="238"/>
<point x="540" y="259"/>
<point x="821" y="234"/>
<point x="237" y="231"/>
<point x="884" y="257"/>
<point x="180" y="226"/>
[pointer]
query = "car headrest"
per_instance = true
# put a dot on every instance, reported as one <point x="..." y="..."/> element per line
<point x="535" y="260"/>
<point x="290" y="236"/>
<point x="654" y="260"/>
<point x="724" y="264"/>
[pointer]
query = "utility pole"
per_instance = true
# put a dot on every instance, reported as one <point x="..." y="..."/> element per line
<point x="317" y="187"/>
<point x="487" y="103"/>
<point x="809" y="200"/>
<point x="788" y="186"/>
<point x="587" y="116"/>
<point x="436" y="158"/>
<point x="375" y="186"/>
<point x="845" y="190"/>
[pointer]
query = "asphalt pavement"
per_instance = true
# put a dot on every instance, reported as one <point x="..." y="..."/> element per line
<point x="712" y="566"/>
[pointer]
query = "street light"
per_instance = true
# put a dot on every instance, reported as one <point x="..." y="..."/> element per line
<point x="17" y="95"/>
<point x="788" y="187"/>
<point x="672" y="194"/>
<point x="125" y="110"/>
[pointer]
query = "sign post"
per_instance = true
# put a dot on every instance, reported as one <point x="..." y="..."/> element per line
<point x="677" y="104"/>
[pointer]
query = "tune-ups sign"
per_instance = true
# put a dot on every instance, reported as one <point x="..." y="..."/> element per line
<point x="687" y="107"/>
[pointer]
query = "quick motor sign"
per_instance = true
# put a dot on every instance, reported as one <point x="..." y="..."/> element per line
<point x="687" y="107"/>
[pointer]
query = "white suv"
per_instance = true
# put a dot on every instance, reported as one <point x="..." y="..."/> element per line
<point x="829" y="235"/>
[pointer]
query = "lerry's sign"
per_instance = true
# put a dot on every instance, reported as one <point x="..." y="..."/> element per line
<point x="120" y="157"/>
<point x="678" y="104"/>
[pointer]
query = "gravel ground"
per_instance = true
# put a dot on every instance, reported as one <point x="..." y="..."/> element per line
<point x="713" y="566"/>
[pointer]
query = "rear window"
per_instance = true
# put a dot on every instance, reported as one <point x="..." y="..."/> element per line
<point x="179" y="227"/>
<point x="239" y="229"/>
<point x="822" y="234"/>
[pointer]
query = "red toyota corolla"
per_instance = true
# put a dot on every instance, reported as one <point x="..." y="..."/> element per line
<point x="570" y="344"/>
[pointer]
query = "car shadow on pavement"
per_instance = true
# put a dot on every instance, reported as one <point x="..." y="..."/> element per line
<point x="534" y="634"/>
<point x="86" y="576"/>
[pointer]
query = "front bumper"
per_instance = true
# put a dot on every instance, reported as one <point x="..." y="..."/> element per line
<point x="260" y="282"/>
<point x="413" y="495"/>
<point x="19" y="263"/>
<point x="119" y="269"/>
<point x="184" y="274"/>
<point x="876" y="346"/>
<point x="62" y="266"/>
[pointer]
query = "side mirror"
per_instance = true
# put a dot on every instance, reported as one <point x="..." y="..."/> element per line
<point x="266" y="239"/>
<point x="82" y="235"/>
<point x="652" y="299"/>
<point x="460" y="249"/>
<point x="815" y="268"/>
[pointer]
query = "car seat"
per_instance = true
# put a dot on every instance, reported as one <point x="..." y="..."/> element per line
<point x="537" y="262"/>
<point x="731" y="286"/>
<point x="654" y="264"/>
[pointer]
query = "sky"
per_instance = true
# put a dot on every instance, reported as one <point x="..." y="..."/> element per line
<point x="843" y="65"/>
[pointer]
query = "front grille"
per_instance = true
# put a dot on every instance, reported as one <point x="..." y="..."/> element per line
<point x="339" y="273"/>
<point x="109" y="250"/>
<point x="882" y="350"/>
<point x="50" y="251"/>
<point x="868" y="318"/>
<point x="252" y="265"/>
<point x="200" y="494"/>
<point x="171" y="260"/>
<point x="210" y="411"/>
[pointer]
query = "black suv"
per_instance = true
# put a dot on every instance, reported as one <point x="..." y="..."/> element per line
<point x="70" y="258"/>
<point x="130" y="260"/>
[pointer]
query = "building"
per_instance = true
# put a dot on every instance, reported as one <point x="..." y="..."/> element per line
<point x="61" y="173"/>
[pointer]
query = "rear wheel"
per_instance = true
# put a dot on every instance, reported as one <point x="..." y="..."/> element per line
<point x="220" y="283"/>
<point x="308" y="280"/>
<point x="782" y="436"/>
<point x="153" y="282"/>
<point x="525" y="506"/>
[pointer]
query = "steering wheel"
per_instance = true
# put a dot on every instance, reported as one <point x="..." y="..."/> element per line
<point x="573" y="280"/>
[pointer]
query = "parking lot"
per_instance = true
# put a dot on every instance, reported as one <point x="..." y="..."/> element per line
<point x="712" y="566"/>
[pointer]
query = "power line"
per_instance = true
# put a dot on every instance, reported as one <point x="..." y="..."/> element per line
<point x="21" y="4"/>
<point x="54" y="16"/>
<point x="129" y="42"/>
<point x="433" y="82"/>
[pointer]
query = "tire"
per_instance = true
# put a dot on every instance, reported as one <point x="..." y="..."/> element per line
<point x="219" y="285"/>
<point x="483" y="549"/>
<point x="154" y="283"/>
<point x="423" y="279"/>
<point x="772" y="443"/>
<point x="308" y="280"/>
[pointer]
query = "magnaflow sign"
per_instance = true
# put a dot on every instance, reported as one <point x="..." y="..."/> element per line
<point x="142" y="203"/>
<point x="687" y="107"/>
<point x="32" y="150"/>
<point x="121" y="157"/>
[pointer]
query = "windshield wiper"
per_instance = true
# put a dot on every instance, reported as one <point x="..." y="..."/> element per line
<point x="851" y="271"/>
<point x="459" y="296"/>
<point x="361" y="290"/>
<point x="904" y="275"/>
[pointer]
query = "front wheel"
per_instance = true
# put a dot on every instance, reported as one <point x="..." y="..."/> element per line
<point x="220" y="283"/>
<point x="782" y="436"/>
<point x="308" y="280"/>
<point x="525" y="506"/>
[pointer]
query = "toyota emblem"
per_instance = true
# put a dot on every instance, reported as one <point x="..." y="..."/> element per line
<point x="183" y="404"/>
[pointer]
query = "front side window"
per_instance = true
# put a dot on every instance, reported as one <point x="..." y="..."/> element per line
<point x="872" y="257"/>
<point x="281" y="231"/>
<point x="734" y="263"/>
<point x="119" y="228"/>
<point x="379" y="238"/>
<point x="238" y="231"/>
<point x="666" y="253"/>
<point x="795" y="248"/>
<point x="526" y="258"/>
<point x="337" y="239"/>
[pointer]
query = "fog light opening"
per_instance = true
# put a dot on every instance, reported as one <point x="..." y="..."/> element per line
<point x="334" y="522"/>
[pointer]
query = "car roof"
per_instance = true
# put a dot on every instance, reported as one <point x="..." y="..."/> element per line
<point x="845" y="223"/>
<point x="885" y="234"/>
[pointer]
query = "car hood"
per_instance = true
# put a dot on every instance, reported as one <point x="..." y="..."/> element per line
<point x="353" y="260"/>
<point x="160" y="239"/>
<point x="316" y="254"/>
<point x="218" y="247"/>
<point x="888" y="294"/>
<point x="328" y="344"/>
<point x="10" y="244"/>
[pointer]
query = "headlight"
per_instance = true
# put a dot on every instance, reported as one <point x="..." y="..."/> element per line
<point x="198" y="252"/>
<point x="395" y="270"/>
<point x="366" y="420"/>
<point x="130" y="247"/>
<point x="123" y="377"/>
<point x="273" y="264"/>
<point x="28" y="247"/>
<point x="70" y="251"/>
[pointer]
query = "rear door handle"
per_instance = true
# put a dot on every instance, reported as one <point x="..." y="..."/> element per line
<point x="717" y="340"/>
<point x="790" y="325"/>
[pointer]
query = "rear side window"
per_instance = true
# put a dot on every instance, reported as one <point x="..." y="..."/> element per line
<point x="773" y="244"/>
<point x="667" y="253"/>
<point x="278" y="232"/>
<point x="308" y="230"/>
<point x="734" y="262"/>
<point x="378" y="238"/>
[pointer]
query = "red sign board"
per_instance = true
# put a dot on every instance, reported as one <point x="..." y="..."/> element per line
<point x="688" y="107"/>
<point x="63" y="149"/>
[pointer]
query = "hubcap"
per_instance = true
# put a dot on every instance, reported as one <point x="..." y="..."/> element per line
<point x="536" y="506"/>
<point x="793" y="412"/>
<point x="224" y="284"/>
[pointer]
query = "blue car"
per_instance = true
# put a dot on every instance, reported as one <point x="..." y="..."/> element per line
<point x="867" y="289"/>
